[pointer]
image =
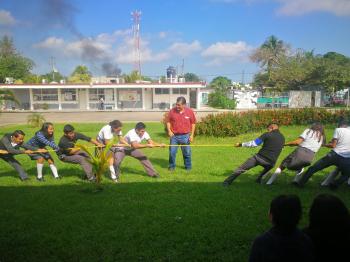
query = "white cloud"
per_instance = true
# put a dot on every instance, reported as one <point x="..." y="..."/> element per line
<point x="300" y="7"/>
<point x="6" y="18"/>
<point x="117" y="47"/>
<point x="51" y="43"/>
<point x="185" y="49"/>
<point x="222" y="52"/>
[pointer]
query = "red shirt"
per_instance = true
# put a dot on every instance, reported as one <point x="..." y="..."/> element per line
<point x="181" y="122"/>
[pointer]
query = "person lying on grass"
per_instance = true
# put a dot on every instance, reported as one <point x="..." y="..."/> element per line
<point x="11" y="143"/>
<point x="71" y="154"/>
<point x="272" y="143"/>
<point x="134" y="137"/>
<point x="309" y="142"/>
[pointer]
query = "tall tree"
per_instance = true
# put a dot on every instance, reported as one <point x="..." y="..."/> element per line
<point x="80" y="75"/>
<point x="191" y="77"/>
<point x="221" y="83"/>
<point x="12" y="64"/>
<point x="270" y="53"/>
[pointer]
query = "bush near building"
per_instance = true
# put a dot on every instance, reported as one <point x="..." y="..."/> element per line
<point x="236" y="123"/>
<point x="218" y="99"/>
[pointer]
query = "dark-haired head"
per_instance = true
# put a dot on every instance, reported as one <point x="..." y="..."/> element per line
<point x="18" y="136"/>
<point x="181" y="100"/>
<point x="68" y="128"/>
<point x="343" y="122"/>
<point x="47" y="129"/>
<point x="18" y="133"/>
<point x="318" y="129"/>
<point x="115" y="124"/>
<point x="285" y="212"/>
<point x="329" y="213"/>
<point x="272" y="126"/>
<point x="140" y="126"/>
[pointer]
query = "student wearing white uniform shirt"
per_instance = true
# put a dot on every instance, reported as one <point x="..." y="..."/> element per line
<point x="339" y="156"/>
<point x="134" y="137"/>
<point x="309" y="142"/>
<point x="106" y="134"/>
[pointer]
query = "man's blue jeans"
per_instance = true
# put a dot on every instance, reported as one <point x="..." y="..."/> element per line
<point x="186" y="150"/>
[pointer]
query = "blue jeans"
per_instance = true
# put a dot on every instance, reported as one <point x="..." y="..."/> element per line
<point x="186" y="150"/>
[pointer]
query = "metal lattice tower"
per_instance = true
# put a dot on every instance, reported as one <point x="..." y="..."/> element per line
<point x="136" y="17"/>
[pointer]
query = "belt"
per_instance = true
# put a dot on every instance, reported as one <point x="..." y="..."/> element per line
<point x="181" y="134"/>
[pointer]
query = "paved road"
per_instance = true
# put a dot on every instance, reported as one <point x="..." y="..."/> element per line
<point x="8" y="118"/>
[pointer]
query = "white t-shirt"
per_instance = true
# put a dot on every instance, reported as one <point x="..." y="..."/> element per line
<point x="132" y="136"/>
<point x="342" y="148"/>
<point x="311" y="140"/>
<point x="106" y="133"/>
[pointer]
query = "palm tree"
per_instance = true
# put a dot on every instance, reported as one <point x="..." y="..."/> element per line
<point x="7" y="95"/>
<point x="270" y="53"/>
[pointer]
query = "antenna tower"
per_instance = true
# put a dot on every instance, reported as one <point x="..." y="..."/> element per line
<point x="136" y="17"/>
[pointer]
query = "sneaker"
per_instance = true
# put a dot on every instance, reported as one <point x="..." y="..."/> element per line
<point x="41" y="179"/>
<point x="225" y="184"/>
<point x="92" y="179"/>
<point x="156" y="175"/>
<point x="58" y="178"/>
<point x="115" y="180"/>
<point x="171" y="169"/>
<point x="23" y="179"/>
<point x="299" y="172"/>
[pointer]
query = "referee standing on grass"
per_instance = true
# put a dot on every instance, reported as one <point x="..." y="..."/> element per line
<point x="181" y="124"/>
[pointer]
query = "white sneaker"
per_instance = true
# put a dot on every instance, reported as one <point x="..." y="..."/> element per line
<point x="298" y="173"/>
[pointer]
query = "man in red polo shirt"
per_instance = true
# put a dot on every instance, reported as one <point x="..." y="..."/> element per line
<point x="181" y="125"/>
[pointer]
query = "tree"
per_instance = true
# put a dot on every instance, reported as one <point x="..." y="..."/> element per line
<point x="221" y="82"/>
<point x="191" y="77"/>
<point x="7" y="95"/>
<point x="52" y="77"/>
<point x="80" y="75"/>
<point x="270" y="53"/>
<point x="12" y="64"/>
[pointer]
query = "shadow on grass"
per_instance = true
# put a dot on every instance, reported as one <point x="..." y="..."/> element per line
<point x="152" y="221"/>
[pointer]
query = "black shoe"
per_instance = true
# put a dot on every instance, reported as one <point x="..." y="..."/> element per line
<point x="92" y="179"/>
<point x="58" y="178"/>
<point x="225" y="184"/>
<point x="156" y="176"/>
<point x="333" y="186"/>
<point x="296" y="184"/>
<point x="23" y="179"/>
<point x="40" y="179"/>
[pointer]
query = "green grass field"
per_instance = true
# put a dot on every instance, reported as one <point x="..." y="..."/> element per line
<point x="178" y="217"/>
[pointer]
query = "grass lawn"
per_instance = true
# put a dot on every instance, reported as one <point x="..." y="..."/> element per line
<point x="178" y="217"/>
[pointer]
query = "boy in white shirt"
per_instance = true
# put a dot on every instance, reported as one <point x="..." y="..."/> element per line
<point x="309" y="142"/>
<point x="339" y="156"/>
<point x="134" y="138"/>
<point x="106" y="134"/>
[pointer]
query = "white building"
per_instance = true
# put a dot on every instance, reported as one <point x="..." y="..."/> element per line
<point x="116" y="96"/>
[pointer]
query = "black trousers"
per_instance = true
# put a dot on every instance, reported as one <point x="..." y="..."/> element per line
<point x="331" y="159"/>
<point x="254" y="161"/>
<point x="16" y="165"/>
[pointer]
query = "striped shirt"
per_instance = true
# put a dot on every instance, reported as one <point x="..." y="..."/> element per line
<point x="39" y="140"/>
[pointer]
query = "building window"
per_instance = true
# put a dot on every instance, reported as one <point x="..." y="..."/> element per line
<point x="180" y="91"/>
<point x="45" y="95"/>
<point x="96" y="94"/>
<point x="69" y="95"/>
<point x="161" y="91"/>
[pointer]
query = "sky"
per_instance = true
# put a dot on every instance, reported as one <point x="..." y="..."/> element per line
<point x="208" y="37"/>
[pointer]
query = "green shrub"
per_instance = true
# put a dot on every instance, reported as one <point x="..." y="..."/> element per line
<point x="236" y="123"/>
<point x="36" y="120"/>
<point x="218" y="99"/>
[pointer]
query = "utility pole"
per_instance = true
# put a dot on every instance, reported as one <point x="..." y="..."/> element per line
<point x="53" y="67"/>
<point x="243" y="75"/>
<point x="136" y="17"/>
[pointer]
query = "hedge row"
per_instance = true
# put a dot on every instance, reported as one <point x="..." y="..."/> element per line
<point x="236" y="123"/>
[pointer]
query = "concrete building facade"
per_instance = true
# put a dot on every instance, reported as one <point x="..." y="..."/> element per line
<point x="135" y="96"/>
